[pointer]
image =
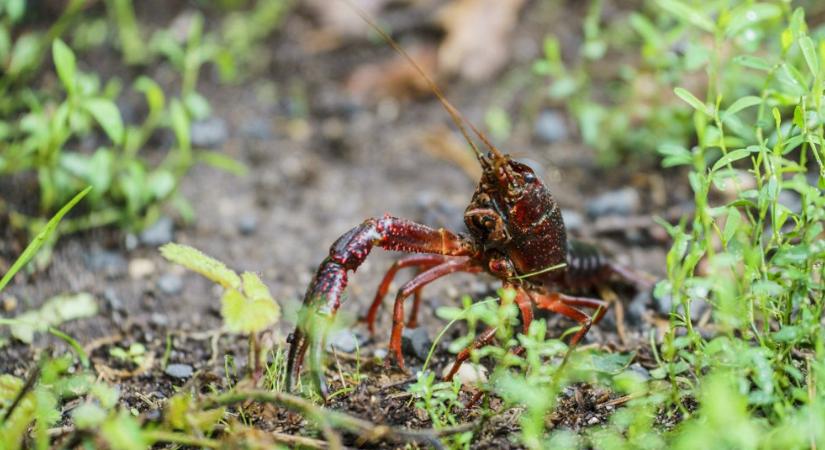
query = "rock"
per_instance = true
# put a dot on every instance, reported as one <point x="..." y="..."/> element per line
<point x="345" y="340"/>
<point x="159" y="320"/>
<point x="9" y="304"/>
<point x="380" y="353"/>
<point x="593" y="420"/>
<point x="247" y="224"/>
<point x="664" y="305"/>
<point x="635" y="311"/>
<point x="159" y="233"/>
<point x="550" y="126"/>
<point x="209" y="133"/>
<point x="415" y="342"/>
<point x="621" y="202"/>
<point x="573" y="221"/>
<point x="110" y="264"/>
<point x="639" y="370"/>
<point x="468" y="373"/>
<point x="140" y="268"/>
<point x="179" y="370"/>
<point x="170" y="284"/>
<point x="259" y="129"/>
<point x="114" y="300"/>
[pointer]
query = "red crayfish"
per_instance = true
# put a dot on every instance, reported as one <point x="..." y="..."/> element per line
<point x="516" y="234"/>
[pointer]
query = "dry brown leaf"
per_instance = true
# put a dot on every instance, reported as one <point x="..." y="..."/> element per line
<point x="339" y="21"/>
<point x="395" y="77"/>
<point x="478" y="32"/>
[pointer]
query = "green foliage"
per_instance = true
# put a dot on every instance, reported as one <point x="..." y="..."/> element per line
<point x="246" y="306"/>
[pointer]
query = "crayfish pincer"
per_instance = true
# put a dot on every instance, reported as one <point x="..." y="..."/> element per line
<point x="515" y="233"/>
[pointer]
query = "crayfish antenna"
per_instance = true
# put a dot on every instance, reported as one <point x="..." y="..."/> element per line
<point x="458" y="119"/>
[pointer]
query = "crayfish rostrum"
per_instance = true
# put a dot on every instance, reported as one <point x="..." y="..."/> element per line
<point x="515" y="233"/>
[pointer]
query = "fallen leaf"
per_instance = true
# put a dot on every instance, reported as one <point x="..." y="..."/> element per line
<point x="394" y="77"/>
<point x="339" y="21"/>
<point x="478" y="32"/>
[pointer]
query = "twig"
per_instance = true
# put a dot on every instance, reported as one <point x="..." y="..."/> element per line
<point x="368" y="431"/>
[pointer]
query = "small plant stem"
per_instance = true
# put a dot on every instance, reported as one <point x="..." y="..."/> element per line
<point x="34" y="375"/>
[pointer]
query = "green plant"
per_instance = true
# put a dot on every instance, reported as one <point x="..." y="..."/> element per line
<point x="247" y="307"/>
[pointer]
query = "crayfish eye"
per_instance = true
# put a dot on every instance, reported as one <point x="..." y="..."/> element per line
<point x="529" y="177"/>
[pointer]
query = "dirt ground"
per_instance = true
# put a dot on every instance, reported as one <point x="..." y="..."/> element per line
<point x="313" y="175"/>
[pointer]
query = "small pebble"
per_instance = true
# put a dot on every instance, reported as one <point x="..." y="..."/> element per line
<point x="550" y="126"/>
<point x="468" y="373"/>
<point x="109" y="263"/>
<point x="635" y="311"/>
<point x="415" y="342"/>
<point x="247" y="224"/>
<point x="159" y="233"/>
<point x="345" y="340"/>
<point x="593" y="420"/>
<point x="9" y="304"/>
<point x="259" y="129"/>
<point x="140" y="268"/>
<point x="380" y="353"/>
<point x="621" y="202"/>
<point x="639" y="370"/>
<point x="170" y="284"/>
<point x="114" y="300"/>
<point x="179" y="370"/>
<point x="209" y="133"/>
<point x="158" y="319"/>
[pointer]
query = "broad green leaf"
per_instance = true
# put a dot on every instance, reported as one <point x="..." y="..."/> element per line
<point x="108" y="116"/>
<point x="122" y="432"/>
<point x="691" y="100"/>
<point x="809" y="52"/>
<point x="88" y="416"/>
<point x="64" y="62"/>
<point x="55" y="311"/>
<point x="197" y="106"/>
<point x="742" y="103"/>
<point x="24" y="55"/>
<point x="196" y="261"/>
<point x="41" y="238"/>
<point x="247" y="316"/>
<point x="747" y="16"/>
<point x="753" y="62"/>
<point x="153" y="92"/>
<point x="682" y="11"/>
<point x="253" y="287"/>
<point x="162" y="182"/>
<point x="674" y="155"/>
<point x="732" y="223"/>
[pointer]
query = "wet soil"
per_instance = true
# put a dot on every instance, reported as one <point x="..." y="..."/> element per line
<point x="320" y="163"/>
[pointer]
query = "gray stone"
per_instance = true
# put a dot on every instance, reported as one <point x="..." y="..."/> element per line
<point x="635" y="311"/>
<point x="170" y="284"/>
<point x="639" y="370"/>
<point x="550" y="126"/>
<point x="621" y="202"/>
<point x="159" y="233"/>
<point x="179" y="370"/>
<point x="110" y="264"/>
<point x="209" y="133"/>
<point x="346" y="340"/>
<point x="248" y="224"/>
<point x="415" y="342"/>
<point x="257" y="129"/>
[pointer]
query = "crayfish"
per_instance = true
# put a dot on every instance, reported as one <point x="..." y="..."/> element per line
<point x="515" y="233"/>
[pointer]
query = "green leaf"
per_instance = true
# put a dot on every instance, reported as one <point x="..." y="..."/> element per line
<point x="64" y="62"/>
<point x="122" y="432"/>
<point x="197" y="106"/>
<point x="55" y="311"/>
<point x="753" y="62"/>
<point x="153" y="92"/>
<point x="809" y="52"/>
<point x="732" y="223"/>
<point x="162" y="182"/>
<point x="742" y="103"/>
<point x="196" y="261"/>
<point x="41" y="238"/>
<point x="732" y="156"/>
<point x="180" y="125"/>
<point x="223" y="162"/>
<point x="247" y="316"/>
<point x="747" y="16"/>
<point x="691" y="100"/>
<point x="108" y="116"/>
<point x="682" y="11"/>
<point x="674" y="155"/>
<point x="88" y="416"/>
<point x="253" y="287"/>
